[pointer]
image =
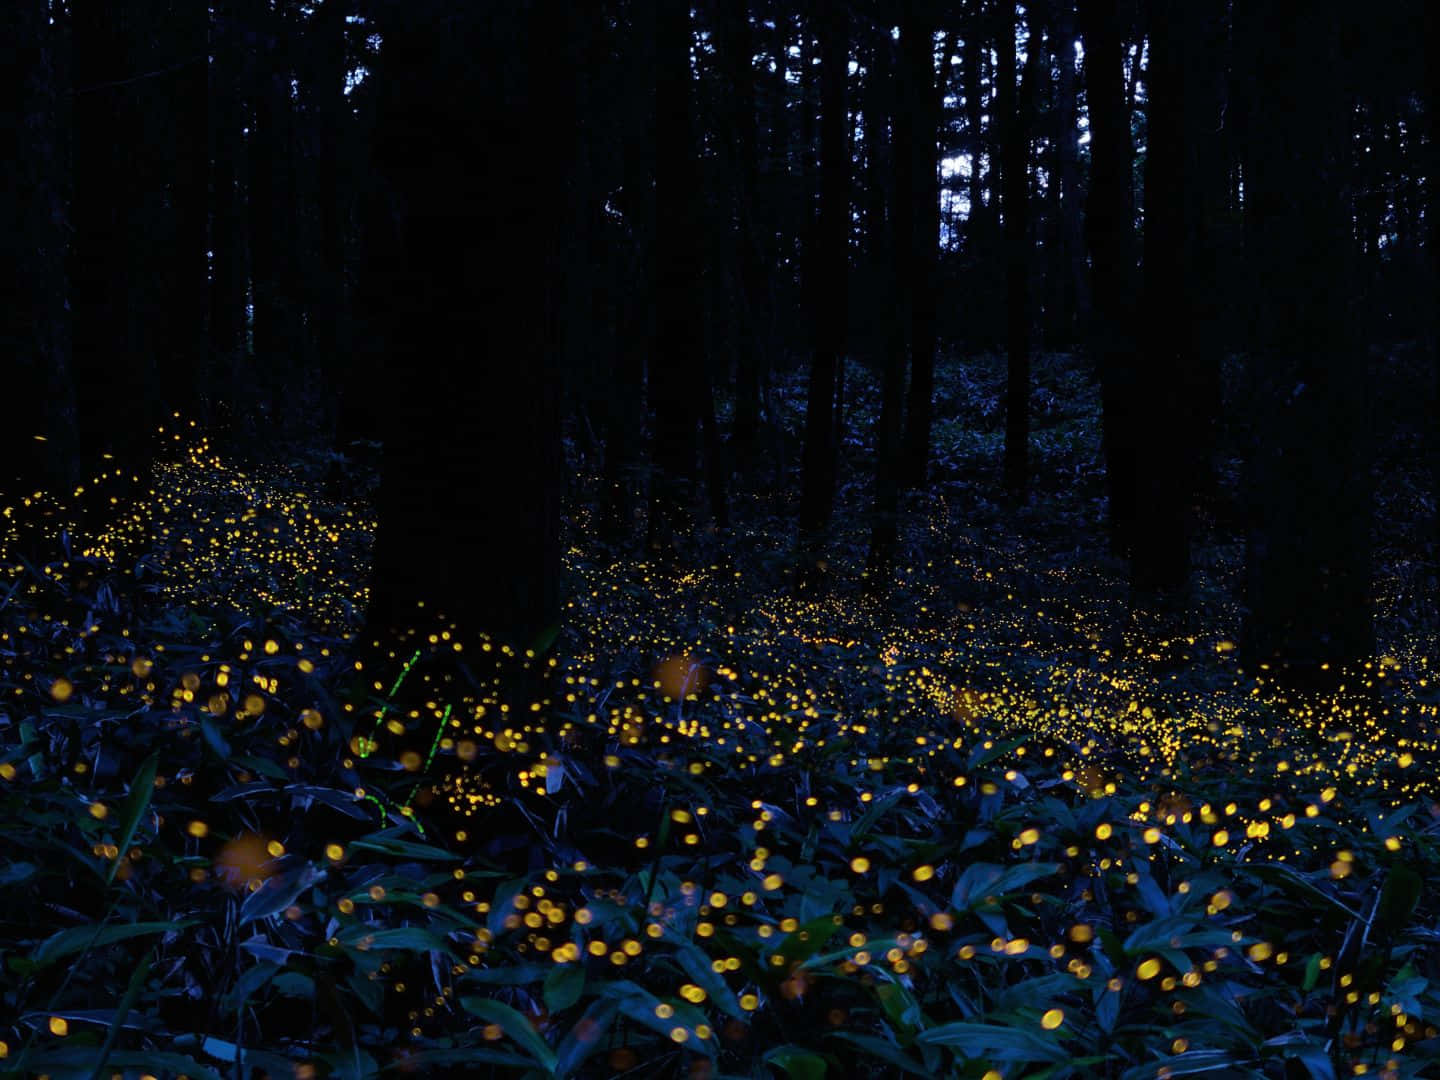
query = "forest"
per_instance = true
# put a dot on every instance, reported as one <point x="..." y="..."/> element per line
<point x="771" y="539"/>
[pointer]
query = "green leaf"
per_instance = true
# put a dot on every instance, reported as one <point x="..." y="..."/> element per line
<point x="515" y="1025"/>
<point x="991" y="1042"/>
<point x="79" y="938"/>
<point x="798" y="1063"/>
<point x="279" y="892"/>
<point x="127" y="1002"/>
<point x="586" y="1036"/>
<point x="885" y="1051"/>
<point x="697" y="965"/>
<point x="213" y="738"/>
<point x="403" y="849"/>
<point x="412" y="938"/>
<point x="982" y="880"/>
<point x="563" y="986"/>
<point x="135" y="805"/>
<point x="1398" y="898"/>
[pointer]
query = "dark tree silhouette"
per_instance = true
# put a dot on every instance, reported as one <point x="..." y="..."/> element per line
<point x="917" y="56"/>
<point x="1160" y="557"/>
<point x="228" y="273"/>
<point x="37" y="447"/>
<point x="735" y="49"/>
<point x="1013" y="103"/>
<point x="1109" y="227"/>
<point x="471" y="468"/>
<point x="677" y="378"/>
<point x="118" y="154"/>
<point x="829" y="265"/>
<point x="1308" y="549"/>
<point x="896" y="272"/>
<point x="275" y="283"/>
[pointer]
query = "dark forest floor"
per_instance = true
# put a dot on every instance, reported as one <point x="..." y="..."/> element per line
<point x="994" y="821"/>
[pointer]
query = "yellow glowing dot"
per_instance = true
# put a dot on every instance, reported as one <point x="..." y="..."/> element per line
<point x="197" y="828"/>
<point x="334" y="852"/>
<point x="924" y="873"/>
<point x="1148" y="969"/>
<point x="61" y="689"/>
<point x="99" y="810"/>
<point x="1221" y="838"/>
<point x="859" y="864"/>
<point x="59" y="1026"/>
<point x="1103" y="831"/>
<point x="749" y="1002"/>
<point x="1052" y="1019"/>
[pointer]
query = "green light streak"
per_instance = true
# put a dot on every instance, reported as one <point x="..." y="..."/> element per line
<point x="434" y="744"/>
<point x="369" y="744"/>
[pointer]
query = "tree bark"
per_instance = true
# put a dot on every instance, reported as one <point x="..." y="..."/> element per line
<point x="227" y="235"/>
<point x="471" y="473"/>
<point x="38" y="439"/>
<point x="1160" y="560"/>
<point x="1110" y="233"/>
<point x="1015" y="178"/>
<point x="1308" y="551"/>
<point x="830" y="266"/>
<point x="917" y="49"/>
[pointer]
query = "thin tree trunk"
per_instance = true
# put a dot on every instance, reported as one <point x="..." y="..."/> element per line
<point x="1015" y="177"/>
<point x="891" y="253"/>
<point x="917" y="48"/>
<point x="227" y="238"/>
<point x="328" y="316"/>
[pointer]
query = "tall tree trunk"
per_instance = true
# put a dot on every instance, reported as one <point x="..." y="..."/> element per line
<point x="830" y="266"/>
<point x="114" y="261"/>
<point x="895" y="270"/>
<point x="227" y="235"/>
<point x="877" y="226"/>
<point x="1110" y="232"/>
<point x="917" y="47"/>
<point x="1071" y="299"/>
<point x="974" y="126"/>
<point x="735" y="45"/>
<point x="1015" y="178"/>
<point x="1207" y="163"/>
<point x="1160" y="558"/>
<point x="635" y="310"/>
<point x="470" y="300"/>
<point x="182" y="367"/>
<point x="38" y="437"/>
<point x="677" y="368"/>
<point x="1432" y="217"/>
<point x="274" y="278"/>
<point x="1308" y="553"/>
<point x="328" y="311"/>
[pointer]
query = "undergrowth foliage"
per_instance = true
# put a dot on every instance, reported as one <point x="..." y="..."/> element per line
<point x="989" y="823"/>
